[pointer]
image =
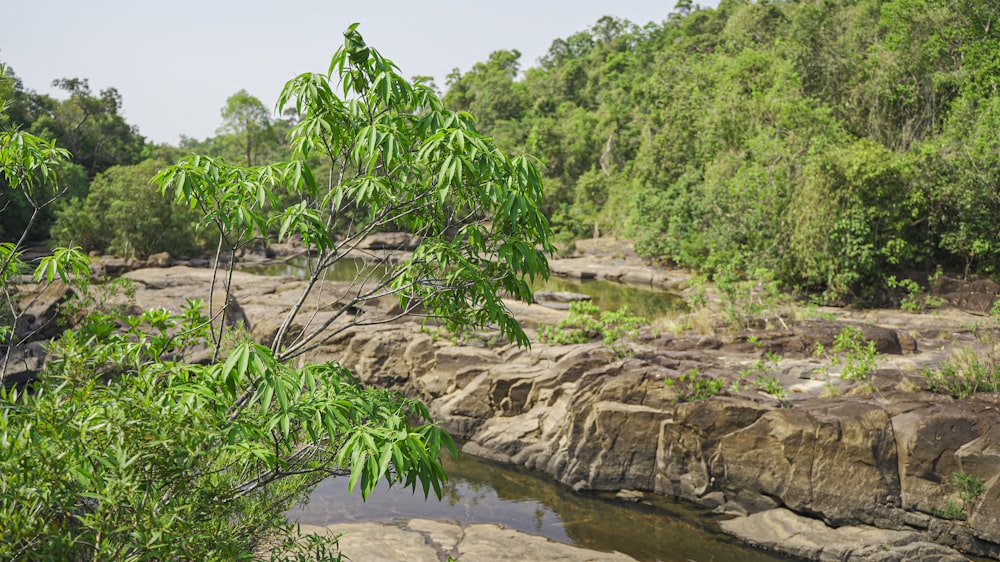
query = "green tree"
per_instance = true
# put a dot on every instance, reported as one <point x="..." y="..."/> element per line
<point x="88" y="125"/>
<point x="124" y="214"/>
<point x="123" y="451"/>
<point x="397" y="159"/>
<point x="248" y="121"/>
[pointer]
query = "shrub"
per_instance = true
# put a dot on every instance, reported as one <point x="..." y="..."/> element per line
<point x="857" y="354"/>
<point x="586" y="322"/>
<point x="692" y="387"/>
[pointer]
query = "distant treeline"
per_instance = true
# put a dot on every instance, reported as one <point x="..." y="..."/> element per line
<point x="833" y="142"/>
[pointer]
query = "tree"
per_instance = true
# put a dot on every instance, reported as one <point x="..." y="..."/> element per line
<point x="125" y="214"/>
<point x="396" y="159"/>
<point x="247" y="120"/>
<point x="88" y="125"/>
<point x="124" y="451"/>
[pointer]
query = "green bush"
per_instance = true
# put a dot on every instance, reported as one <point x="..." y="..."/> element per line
<point x="857" y="354"/>
<point x="964" y="374"/>
<point x="692" y="387"/>
<point x="124" y="214"/>
<point x="586" y="322"/>
<point x="126" y="450"/>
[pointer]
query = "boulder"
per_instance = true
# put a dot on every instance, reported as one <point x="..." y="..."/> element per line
<point x="810" y="539"/>
<point x="162" y="259"/>
<point x="41" y="312"/>
<point x="836" y="459"/>
<point x="825" y="331"/>
<point x="390" y="241"/>
<point x="24" y="362"/>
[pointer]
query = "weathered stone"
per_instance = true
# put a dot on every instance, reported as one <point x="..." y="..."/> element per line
<point x="788" y="533"/>
<point x="690" y="439"/>
<point x="825" y="331"/>
<point x="390" y="241"/>
<point x="836" y="459"/>
<point x="24" y="363"/>
<point x="928" y="440"/>
<point x="40" y="311"/>
<point x="561" y="297"/>
<point x="977" y="295"/>
<point x="162" y="259"/>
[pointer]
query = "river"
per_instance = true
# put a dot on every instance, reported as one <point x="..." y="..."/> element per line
<point x="479" y="491"/>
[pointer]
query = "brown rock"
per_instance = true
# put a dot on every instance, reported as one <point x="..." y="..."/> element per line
<point x="833" y="458"/>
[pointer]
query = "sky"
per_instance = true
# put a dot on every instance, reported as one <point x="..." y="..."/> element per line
<point x="176" y="62"/>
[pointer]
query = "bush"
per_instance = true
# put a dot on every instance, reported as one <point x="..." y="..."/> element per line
<point x="586" y="322"/>
<point x="124" y="214"/>
<point x="161" y="459"/>
<point x="691" y="387"/>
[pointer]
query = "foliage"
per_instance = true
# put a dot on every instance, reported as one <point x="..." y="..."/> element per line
<point x="247" y="120"/>
<point x="692" y="387"/>
<point x="952" y="512"/>
<point x="857" y="355"/>
<point x="912" y="301"/>
<point x="398" y="160"/>
<point x="195" y="461"/>
<point x="126" y="450"/>
<point x="754" y="302"/>
<point x="834" y="144"/>
<point x="757" y="374"/>
<point x="586" y="322"/>
<point x="124" y="214"/>
<point x="969" y="488"/>
<point x="89" y="125"/>
<point x="964" y="374"/>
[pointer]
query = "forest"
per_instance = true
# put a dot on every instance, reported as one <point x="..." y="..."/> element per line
<point x="831" y="144"/>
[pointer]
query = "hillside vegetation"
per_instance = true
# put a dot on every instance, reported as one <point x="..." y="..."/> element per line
<point x="834" y="143"/>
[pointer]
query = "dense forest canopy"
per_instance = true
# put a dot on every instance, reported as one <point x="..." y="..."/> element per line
<point x="834" y="143"/>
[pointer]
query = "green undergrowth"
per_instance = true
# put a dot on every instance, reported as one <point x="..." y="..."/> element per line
<point x="585" y="322"/>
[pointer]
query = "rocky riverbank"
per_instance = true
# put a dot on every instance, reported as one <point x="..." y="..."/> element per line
<point x="875" y="463"/>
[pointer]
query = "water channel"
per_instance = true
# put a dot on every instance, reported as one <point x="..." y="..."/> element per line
<point x="656" y="530"/>
<point x="480" y="491"/>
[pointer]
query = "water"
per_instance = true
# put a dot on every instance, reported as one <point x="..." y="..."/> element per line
<point x="479" y="491"/>
<point x="483" y="492"/>
<point x="648" y="303"/>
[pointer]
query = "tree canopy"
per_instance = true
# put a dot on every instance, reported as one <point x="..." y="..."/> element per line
<point x="835" y="143"/>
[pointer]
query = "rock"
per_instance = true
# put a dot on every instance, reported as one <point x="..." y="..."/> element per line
<point x="836" y="459"/>
<point x="630" y="495"/>
<point x="809" y="539"/>
<point x="558" y="297"/>
<point x="928" y="440"/>
<point x="422" y="540"/>
<point x="391" y="241"/>
<point x="824" y="331"/>
<point x="41" y="311"/>
<point x="24" y="363"/>
<point x="161" y="259"/>
<point x="976" y="296"/>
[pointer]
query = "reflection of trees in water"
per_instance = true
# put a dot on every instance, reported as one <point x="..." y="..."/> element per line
<point x="608" y="296"/>
<point x="668" y="531"/>
<point x="611" y="296"/>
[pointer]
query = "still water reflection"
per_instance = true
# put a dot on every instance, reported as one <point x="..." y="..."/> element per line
<point x="646" y="302"/>
<point x="482" y="492"/>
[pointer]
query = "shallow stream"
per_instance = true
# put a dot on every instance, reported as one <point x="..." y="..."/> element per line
<point x="478" y="491"/>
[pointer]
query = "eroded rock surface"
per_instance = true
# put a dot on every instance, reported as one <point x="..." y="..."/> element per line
<point x="884" y="459"/>
<point x="424" y="540"/>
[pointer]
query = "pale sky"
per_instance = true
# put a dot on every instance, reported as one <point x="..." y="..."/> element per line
<point x="176" y="62"/>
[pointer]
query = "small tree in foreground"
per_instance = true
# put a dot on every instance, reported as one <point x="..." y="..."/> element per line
<point x="393" y="158"/>
<point x="123" y="451"/>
